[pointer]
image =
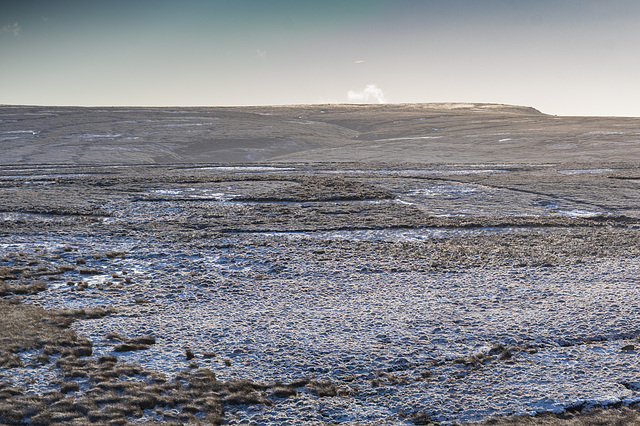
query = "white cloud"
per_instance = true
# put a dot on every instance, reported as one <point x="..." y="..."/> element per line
<point x="370" y="94"/>
<point x="261" y="53"/>
<point x="13" y="29"/>
<point x="358" y="61"/>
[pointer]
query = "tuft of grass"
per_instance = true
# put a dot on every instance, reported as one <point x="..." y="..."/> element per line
<point x="22" y="288"/>
<point x="250" y="398"/>
<point x="107" y="359"/>
<point x="322" y="388"/>
<point x="114" y="254"/>
<point x="283" y="391"/>
<point x="71" y="386"/>
<point x="7" y="273"/>
<point x="127" y="347"/>
<point x="298" y="383"/>
<point x="88" y="313"/>
<point x="66" y="268"/>
<point x="502" y="352"/>
<point x="420" y="418"/>
<point x="201" y="379"/>
<point x="9" y="360"/>
<point x="114" y="336"/>
<point x="144" y="340"/>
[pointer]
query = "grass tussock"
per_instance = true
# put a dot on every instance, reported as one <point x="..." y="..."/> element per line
<point x="65" y="268"/>
<point x="282" y="391"/>
<point x="114" y="254"/>
<point x="128" y="347"/>
<point x="26" y="327"/>
<point x="22" y="288"/>
<point x="88" y="271"/>
<point x="322" y="388"/>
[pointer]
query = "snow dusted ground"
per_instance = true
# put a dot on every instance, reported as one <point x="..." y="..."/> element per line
<point x="458" y="260"/>
<point x="565" y="327"/>
<point x="495" y="332"/>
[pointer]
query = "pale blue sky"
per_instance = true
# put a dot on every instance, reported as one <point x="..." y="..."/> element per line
<point x="563" y="57"/>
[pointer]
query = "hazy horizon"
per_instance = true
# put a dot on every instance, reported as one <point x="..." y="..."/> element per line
<point x="560" y="57"/>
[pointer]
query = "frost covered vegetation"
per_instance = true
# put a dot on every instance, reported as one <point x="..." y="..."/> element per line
<point x="319" y="292"/>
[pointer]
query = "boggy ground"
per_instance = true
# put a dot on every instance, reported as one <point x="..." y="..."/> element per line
<point x="319" y="293"/>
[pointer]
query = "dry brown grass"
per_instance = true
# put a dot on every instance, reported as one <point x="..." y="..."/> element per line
<point x="127" y="347"/>
<point x="88" y="271"/>
<point x="598" y="416"/>
<point x="25" y="327"/>
<point x="322" y="388"/>
<point x="114" y="254"/>
<point x="21" y="288"/>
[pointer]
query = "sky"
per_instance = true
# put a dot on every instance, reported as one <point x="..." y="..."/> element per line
<point x="564" y="57"/>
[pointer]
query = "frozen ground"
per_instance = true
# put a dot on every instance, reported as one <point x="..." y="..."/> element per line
<point x="463" y="291"/>
<point x="399" y="341"/>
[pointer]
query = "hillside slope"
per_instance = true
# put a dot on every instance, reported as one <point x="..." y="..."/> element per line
<point x="417" y="133"/>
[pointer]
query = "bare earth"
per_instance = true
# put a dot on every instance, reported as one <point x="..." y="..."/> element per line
<point x="392" y="264"/>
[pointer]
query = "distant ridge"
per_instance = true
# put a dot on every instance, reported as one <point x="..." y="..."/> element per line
<point x="475" y="106"/>
<point x="424" y="133"/>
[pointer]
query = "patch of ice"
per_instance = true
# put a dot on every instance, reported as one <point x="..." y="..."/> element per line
<point x="467" y="172"/>
<point x="476" y="135"/>
<point x="578" y="213"/>
<point x="95" y="136"/>
<point x="98" y="279"/>
<point x="581" y="171"/>
<point x="409" y="172"/>
<point x="116" y="148"/>
<point x="195" y="193"/>
<point x="184" y="125"/>
<point x="34" y="169"/>
<point x="47" y="176"/>
<point x="9" y="132"/>
<point x="26" y="113"/>
<point x="35" y="378"/>
<point x="169" y="191"/>
<point x="604" y="133"/>
<point x="454" y="105"/>
<point x="15" y="217"/>
<point x="443" y="190"/>
<point x="244" y="168"/>
<point x="404" y="235"/>
<point x="408" y="138"/>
